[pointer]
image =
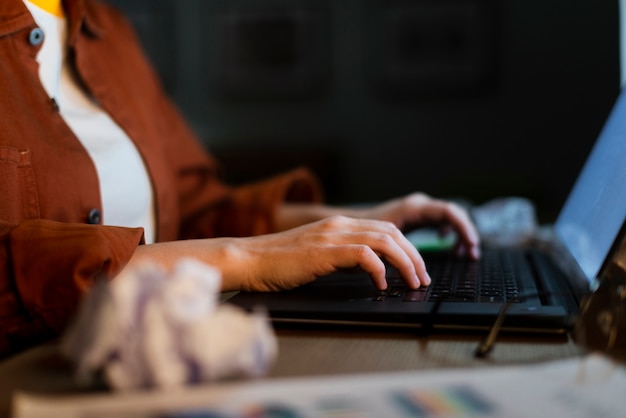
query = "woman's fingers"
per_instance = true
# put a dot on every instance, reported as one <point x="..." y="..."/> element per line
<point x="442" y="212"/>
<point x="363" y="256"/>
<point x="386" y="241"/>
<point x="419" y="209"/>
<point x="391" y="247"/>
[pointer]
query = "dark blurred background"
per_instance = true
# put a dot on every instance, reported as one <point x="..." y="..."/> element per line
<point x="459" y="98"/>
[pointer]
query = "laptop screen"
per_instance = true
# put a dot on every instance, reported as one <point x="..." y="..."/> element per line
<point x="595" y="209"/>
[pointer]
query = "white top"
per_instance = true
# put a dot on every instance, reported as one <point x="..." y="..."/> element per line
<point x="125" y="186"/>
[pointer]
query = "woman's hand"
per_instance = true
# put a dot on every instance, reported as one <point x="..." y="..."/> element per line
<point x="292" y="258"/>
<point x="406" y="213"/>
<point x="419" y="210"/>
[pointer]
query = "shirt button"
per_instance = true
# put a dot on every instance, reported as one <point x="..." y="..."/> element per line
<point x="94" y="217"/>
<point x="36" y="37"/>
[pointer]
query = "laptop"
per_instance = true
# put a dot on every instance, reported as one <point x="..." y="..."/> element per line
<point x="541" y="285"/>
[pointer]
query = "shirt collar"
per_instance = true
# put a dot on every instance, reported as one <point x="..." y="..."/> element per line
<point x="81" y="16"/>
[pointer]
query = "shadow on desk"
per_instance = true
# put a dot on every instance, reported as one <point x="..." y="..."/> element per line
<point x="320" y="352"/>
<point x="313" y="352"/>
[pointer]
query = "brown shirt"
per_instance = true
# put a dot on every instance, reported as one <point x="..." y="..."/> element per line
<point x="51" y="242"/>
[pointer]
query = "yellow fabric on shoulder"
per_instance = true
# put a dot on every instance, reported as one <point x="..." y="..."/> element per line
<point x="51" y="6"/>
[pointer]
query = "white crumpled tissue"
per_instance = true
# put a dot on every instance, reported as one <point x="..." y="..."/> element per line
<point x="150" y="328"/>
<point x="506" y="221"/>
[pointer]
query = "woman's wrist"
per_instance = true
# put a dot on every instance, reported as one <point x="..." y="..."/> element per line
<point x="229" y="255"/>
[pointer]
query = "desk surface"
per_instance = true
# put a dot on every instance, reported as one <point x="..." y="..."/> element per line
<point x="320" y="352"/>
<point x="308" y="352"/>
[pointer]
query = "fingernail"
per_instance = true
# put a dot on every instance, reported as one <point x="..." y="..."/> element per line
<point x="428" y="280"/>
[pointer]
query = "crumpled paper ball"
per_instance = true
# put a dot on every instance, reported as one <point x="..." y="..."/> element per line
<point x="506" y="221"/>
<point x="150" y="328"/>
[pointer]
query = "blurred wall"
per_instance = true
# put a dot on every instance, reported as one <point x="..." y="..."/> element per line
<point x="460" y="98"/>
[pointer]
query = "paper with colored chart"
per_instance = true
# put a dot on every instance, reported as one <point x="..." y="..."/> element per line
<point x="582" y="387"/>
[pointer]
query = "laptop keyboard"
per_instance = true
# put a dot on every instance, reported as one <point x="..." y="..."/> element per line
<point x="491" y="279"/>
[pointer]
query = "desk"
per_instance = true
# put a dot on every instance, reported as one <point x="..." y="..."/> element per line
<point x="309" y="352"/>
<point x="319" y="352"/>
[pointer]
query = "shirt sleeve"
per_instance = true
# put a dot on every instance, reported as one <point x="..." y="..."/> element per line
<point x="249" y="209"/>
<point x="46" y="267"/>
